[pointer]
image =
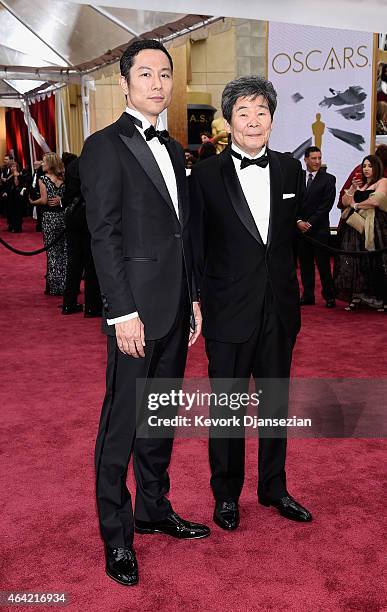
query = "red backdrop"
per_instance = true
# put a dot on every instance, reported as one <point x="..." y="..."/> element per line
<point x="43" y="113"/>
<point x="17" y="135"/>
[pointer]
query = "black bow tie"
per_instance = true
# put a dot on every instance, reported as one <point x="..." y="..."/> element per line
<point x="161" y="135"/>
<point x="245" y="161"/>
<point x="151" y="132"/>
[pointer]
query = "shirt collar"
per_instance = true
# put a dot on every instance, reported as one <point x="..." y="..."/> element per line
<point x="145" y="122"/>
<point x="312" y="173"/>
<point x="238" y="150"/>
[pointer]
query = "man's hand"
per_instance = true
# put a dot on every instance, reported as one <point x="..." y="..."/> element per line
<point x="194" y="335"/>
<point x="130" y="337"/>
<point x="303" y="226"/>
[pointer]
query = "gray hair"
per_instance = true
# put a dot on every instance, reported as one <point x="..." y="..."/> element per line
<point x="247" y="87"/>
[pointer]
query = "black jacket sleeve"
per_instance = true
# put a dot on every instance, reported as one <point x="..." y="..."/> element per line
<point x="72" y="183"/>
<point x="197" y="228"/>
<point x="325" y="203"/>
<point x="101" y="183"/>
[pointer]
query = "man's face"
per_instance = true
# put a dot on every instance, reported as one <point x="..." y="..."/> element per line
<point x="250" y="125"/>
<point x="313" y="162"/>
<point x="149" y="89"/>
<point x="7" y="160"/>
<point x="204" y="138"/>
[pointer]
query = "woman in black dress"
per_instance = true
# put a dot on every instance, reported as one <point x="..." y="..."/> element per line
<point x="51" y="188"/>
<point x="363" y="279"/>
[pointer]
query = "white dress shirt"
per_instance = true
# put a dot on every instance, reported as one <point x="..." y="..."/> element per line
<point x="163" y="160"/>
<point x="255" y="183"/>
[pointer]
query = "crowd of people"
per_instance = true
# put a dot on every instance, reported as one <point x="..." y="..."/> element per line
<point x="360" y="268"/>
<point x="48" y="195"/>
<point x="52" y="196"/>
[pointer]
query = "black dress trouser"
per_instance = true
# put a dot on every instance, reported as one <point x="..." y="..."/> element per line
<point x="116" y="440"/>
<point x="309" y="253"/>
<point x="267" y="354"/>
<point x="80" y="260"/>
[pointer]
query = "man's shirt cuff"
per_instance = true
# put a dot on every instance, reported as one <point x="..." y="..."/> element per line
<point x="127" y="317"/>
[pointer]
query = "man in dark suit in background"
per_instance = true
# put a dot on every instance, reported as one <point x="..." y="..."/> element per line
<point x="133" y="180"/>
<point x="244" y="203"/>
<point x="5" y="176"/>
<point x="313" y="221"/>
<point x="80" y="259"/>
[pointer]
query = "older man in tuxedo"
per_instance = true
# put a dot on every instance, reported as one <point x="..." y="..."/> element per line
<point x="134" y="184"/>
<point x="245" y="203"/>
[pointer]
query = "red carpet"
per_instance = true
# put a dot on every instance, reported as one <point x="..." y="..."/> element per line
<point x="52" y="380"/>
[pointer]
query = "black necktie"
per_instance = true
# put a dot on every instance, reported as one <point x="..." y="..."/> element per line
<point x="309" y="181"/>
<point x="246" y="161"/>
<point x="161" y="135"/>
<point x="151" y="132"/>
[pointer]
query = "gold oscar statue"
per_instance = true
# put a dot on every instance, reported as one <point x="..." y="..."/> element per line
<point x="318" y="129"/>
<point x="219" y="134"/>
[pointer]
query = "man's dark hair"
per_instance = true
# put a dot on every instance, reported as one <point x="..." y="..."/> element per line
<point x="247" y="87"/>
<point x="207" y="150"/>
<point x="67" y="158"/>
<point x="310" y="150"/>
<point x="128" y="56"/>
<point x="377" y="167"/>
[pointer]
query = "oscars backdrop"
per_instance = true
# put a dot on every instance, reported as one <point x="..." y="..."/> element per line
<point x="323" y="78"/>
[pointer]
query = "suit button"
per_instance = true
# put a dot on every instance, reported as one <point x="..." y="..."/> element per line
<point x="177" y="235"/>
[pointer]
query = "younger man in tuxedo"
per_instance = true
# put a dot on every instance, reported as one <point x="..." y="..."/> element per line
<point x="134" y="184"/>
<point x="245" y="204"/>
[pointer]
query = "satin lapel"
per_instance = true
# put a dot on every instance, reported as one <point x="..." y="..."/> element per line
<point x="137" y="145"/>
<point x="276" y="192"/>
<point x="316" y="181"/>
<point x="236" y="194"/>
<point x="181" y="180"/>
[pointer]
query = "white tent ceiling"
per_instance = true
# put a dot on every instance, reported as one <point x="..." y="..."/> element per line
<point x="45" y="42"/>
<point x="363" y="15"/>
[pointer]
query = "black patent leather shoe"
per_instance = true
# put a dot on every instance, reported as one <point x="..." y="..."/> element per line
<point x="307" y="302"/>
<point x="331" y="304"/>
<point x="174" y="526"/>
<point x="226" y="515"/>
<point x="289" y="508"/>
<point x="67" y="310"/>
<point x="121" y="565"/>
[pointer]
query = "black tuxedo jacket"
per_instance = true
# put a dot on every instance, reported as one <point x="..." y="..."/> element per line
<point x="139" y="245"/>
<point x="318" y="201"/>
<point x="233" y="265"/>
<point x="76" y="220"/>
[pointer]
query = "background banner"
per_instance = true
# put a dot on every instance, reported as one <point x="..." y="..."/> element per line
<point x="323" y="78"/>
